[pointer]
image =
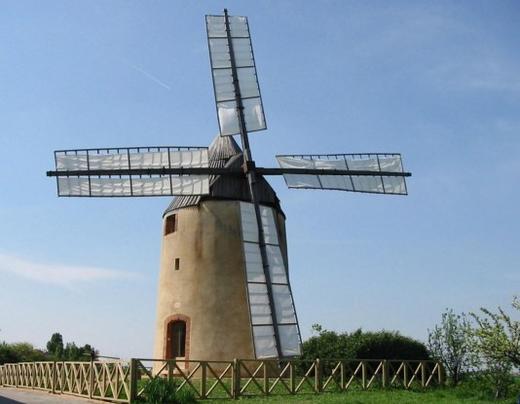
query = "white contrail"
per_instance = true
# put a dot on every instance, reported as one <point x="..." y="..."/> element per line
<point x="59" y="274"/>
<point x="150" y="76"/>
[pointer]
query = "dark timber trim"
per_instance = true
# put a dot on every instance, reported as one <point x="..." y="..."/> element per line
<point x="249" y="169"/>
<point x="221" y="171"/>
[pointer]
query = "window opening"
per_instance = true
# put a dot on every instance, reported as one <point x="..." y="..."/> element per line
<point x="171" y="224"/>
<point x="177" y="263"/>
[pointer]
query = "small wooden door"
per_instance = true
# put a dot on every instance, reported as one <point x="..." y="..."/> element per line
<point x="176" y="339"/>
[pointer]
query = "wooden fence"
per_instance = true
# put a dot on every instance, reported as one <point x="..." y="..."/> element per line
<point x="99" y="380"/>
<point x="122" y="381"/>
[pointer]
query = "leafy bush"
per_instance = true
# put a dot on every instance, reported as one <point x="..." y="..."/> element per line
<point x="25" y="352"/>
<point x="327" y="345"/>
<point x="185" y="397"/>
<point x="489" y="385"/>
<point x="363" y="345"/>
<point x="163" y="391"/>
<point x="389" y="345"/>
<point x="19" y="352"/>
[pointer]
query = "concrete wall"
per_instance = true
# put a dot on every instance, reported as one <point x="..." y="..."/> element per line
<point x="209" y="289"/>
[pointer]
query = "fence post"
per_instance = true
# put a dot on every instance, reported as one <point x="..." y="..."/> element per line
<point x="235" y="392"/>
<point x="133" y="380"/>
<point x="317" y="376"/>
<point x="342" y="376"/>
<point x="423" y="374"/>
<point x="265" y="379"/>
<point x="363" y="375"/>
<point x="440" y="373"/>
<point x="170" y="368"/>
<point x="53" y="377"/>
<point x="405" y="374"/>
<point x="203" y="380"/>
<point x="292" y="384"/>
<point x="384" y="371"/>
<point x="117" y="380"/>
<point x="62" y="376"/>
<point x="91" y="379"/>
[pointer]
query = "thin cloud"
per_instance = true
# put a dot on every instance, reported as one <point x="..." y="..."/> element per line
<point x="151" y="77"/>
<point x="59" y="274"/>
<point x="481" y="74"/>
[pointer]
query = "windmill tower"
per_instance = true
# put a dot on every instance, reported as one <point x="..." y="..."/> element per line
<point x="224" y="287"/>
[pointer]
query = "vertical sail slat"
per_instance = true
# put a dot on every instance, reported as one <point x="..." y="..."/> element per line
<point x="259" y="303"/>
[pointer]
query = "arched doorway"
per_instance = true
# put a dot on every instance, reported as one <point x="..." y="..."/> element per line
<point x="176" y="339"/>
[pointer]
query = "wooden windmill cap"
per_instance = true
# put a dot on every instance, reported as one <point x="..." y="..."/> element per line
<point x="225" y="152"/>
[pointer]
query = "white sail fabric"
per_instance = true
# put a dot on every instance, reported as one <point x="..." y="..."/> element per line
<point x="258" y="293"/>
<point x="264" y="341"/>
<point x="217" y="28"/>
<point x="110" y="185"/>
<point x="378" y="183"/>
<point x="259" y="304"/>
<point x="133" y="158"/>
<point x="133" y="186"/>
<point x="225" y="92"/>
<point x="250" y="228"/>
<point x="290" y="339"/>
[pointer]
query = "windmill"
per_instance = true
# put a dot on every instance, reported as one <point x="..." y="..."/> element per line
<point x="224" y="288"/>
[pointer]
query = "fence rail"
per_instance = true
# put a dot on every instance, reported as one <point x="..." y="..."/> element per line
<point x="122" y="381"/>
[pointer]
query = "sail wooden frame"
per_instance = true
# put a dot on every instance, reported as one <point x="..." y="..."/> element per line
<point x="378" y="173"/>
<point x="121" y="172"/>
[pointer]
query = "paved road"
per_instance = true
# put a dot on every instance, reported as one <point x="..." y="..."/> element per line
<point x="15" y="396"/>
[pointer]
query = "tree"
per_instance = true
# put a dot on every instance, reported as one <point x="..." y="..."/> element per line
<point x="25" y="352"/>
<point x="55" y="346"/>
<point x="70" y="352"/>
<point x="451" y="343"/>
<point x="19" y="352"/>
<point x="498" y="335"/>
<point x="497" y="342"/>
<point x="90" y="352"/>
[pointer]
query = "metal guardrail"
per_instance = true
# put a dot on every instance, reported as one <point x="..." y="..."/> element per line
<point x="122" y="381"/>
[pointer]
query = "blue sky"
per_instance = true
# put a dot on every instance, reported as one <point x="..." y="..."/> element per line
<point x="436" y="81"/>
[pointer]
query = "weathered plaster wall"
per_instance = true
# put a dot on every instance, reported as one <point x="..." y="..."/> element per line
<point x="210" y="286"/>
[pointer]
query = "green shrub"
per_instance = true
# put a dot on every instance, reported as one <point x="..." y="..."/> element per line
<point x="363" y="345"/>
<point x="163" y="391"/>
<point x="489" y="385"/>
<point x="328" y="345"/>
<point x="19" y="352"/>
<point x="185" y="397"/>
<point x="389" y="345"/>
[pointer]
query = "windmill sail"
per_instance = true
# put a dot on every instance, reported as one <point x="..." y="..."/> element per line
<point x="102" y="172"/>
<point x="286" y="326"/>
<point x="229" y="54"/>
<point x="388" y="174"/>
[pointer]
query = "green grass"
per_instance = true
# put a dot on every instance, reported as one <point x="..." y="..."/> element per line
<point x="446" y="395"/>
<point x="470" y="392"/>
